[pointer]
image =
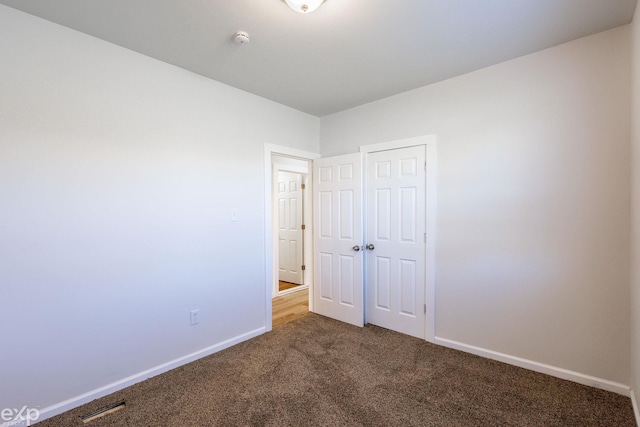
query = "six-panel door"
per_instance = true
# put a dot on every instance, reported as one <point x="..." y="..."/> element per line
<point x="395" y="215"/>
<point x="290" y="227"/>
<point x="338" y="286"/>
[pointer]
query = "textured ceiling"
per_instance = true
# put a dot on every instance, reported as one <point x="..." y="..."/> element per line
<point x="347" y="53"/>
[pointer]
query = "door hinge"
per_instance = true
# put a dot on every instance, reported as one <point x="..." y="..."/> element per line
<point x="425" y="237"/>
<point x="425" y="309"/>
<point x="304" y="227"/>
<point x="425" y="165"/>
<point x="302" y="186"/>
<point x="304" y="267"/>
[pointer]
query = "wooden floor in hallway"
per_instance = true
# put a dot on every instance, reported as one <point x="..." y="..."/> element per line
<point x="283" y="286"/>
<point x="290" y="307"/>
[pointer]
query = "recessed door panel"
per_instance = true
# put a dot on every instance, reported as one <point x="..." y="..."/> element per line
<point x="325" y="174"/>
<point x="346" y="171"/>
<point x="294" y="215"/>
<point x="347" y="273"/>
<point x="408" y="212"/>
<point x="383" y="170"/>
<point x="346" y="216"/>
<point x="408" y="287"/>
<point x="325" y="270"/>
<point x="408" y="167"/>
<point x="382" y="283"/>
<point x="383" y="214"/>
<point x="325" y="214"/>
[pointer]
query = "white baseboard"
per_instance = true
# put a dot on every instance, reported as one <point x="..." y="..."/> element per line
<point x="74" y="402"/>
<point x="635" y="406"/>
<point x="292" y="290"/>
<point x="554" y="371"/>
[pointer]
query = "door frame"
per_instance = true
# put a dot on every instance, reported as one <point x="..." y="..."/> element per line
<point x="430" y="144"/>
<point x="271" y="273"/>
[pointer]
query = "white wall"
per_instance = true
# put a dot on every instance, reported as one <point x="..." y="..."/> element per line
<point x="635" y="209"/>
<point x="533" y="201"/>
<point x="118" y="174"/>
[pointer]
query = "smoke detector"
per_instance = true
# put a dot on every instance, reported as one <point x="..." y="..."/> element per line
<point x="241" y="37"/>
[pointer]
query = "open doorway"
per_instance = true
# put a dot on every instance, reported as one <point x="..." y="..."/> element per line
<point x="288" y="171"/>
<point x="275" y="158"/>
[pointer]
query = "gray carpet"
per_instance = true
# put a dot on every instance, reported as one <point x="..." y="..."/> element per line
<point x="317" y="371"/>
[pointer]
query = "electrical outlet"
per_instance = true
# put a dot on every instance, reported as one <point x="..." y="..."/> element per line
<point x="195" y="317"/>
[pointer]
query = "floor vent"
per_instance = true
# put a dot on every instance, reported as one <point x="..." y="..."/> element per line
<point x="102" y="412"/>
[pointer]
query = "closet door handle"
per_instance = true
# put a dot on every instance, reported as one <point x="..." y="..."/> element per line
<point x="370" y="247"/>
<point x="356" y="248"/>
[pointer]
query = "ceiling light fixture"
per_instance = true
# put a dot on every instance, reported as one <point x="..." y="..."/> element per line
<point x="304" y="6"/>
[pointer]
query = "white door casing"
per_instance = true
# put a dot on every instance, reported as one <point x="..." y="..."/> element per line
<point x="395" y="255"/>
<point x="271" y="155"/>
<point x="338" y="278"/>
<point x="290" y="238"/>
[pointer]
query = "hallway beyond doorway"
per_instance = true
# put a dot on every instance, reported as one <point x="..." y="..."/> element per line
<point x="290" y="307"/>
